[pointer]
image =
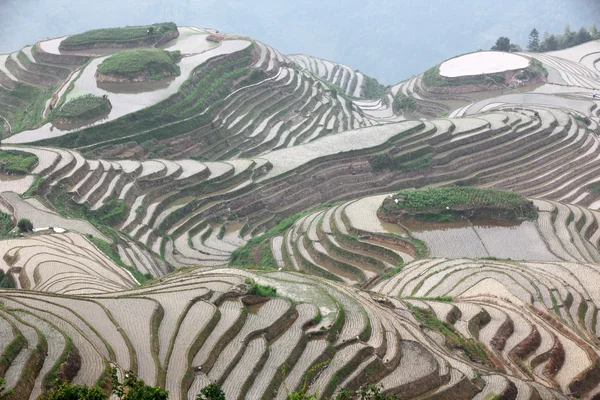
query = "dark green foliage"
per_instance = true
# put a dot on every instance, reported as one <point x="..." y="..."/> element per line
<point x="256" y="76"/>
<point x="133" y="388"/>
<point x="6" y="280"/>
<point x="6" y="224"/>
<point x="68" y="391"/>
<point x="25" y="225"/>
<point x="155" y="63"/>
<point x="404" y="103"/>
<point x="372" y="89"/>
<point x="16" y="162"/>
<point x="257" y="289"/>
<point x="212" y="391"/>
<point x="534" y="41"/>
<point x="568" y="39"/>
<point x="118" y="35"/>
<point x="503" y="44"/>
<point x="83" y="107"/>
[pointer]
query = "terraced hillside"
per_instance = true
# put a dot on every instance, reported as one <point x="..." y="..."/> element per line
<point x="225" y="225"/>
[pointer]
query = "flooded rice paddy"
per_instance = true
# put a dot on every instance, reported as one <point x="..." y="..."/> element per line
<point x="517" y="241"/>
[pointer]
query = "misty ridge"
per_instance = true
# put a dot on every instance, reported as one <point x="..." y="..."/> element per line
<point x="390" y="40"/>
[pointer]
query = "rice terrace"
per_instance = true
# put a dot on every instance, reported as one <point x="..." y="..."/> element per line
<point x="190" y="207"/>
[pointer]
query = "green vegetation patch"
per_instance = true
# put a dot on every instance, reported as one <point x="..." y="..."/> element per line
<point x="404" y="103"/>
<point x="454" y="339"/>
<point x="14" y="162"/>
<point x="118" y="35"/>
<point x="155" y="63"/>
<point x="372" y="89"/>
<point x="83" y="107"/>
<point x="6" y="280"/>
<point x="112" y="253"/>
<point x="458" y="202"/>
<point x="6" y="225"/>
<point x="257" y="289"/>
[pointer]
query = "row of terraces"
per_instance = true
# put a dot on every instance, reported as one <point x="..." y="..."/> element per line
<point x="195" y="327"/>
<point x="193" y="212"/>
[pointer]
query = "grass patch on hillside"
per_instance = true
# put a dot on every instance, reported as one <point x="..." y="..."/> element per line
<point x="118" y="35"/>
<point x="28" y="102"/>
<point x="451" y="203"/>
<point x="112" y="253"/>
<point x="371" y="88"/>
<point x="6" y="280"/>
<point x="155" y="63"/>
<point x="243" y="256"/>
<point x="16" y="162"/>
<point x="454" y="339"/>
<point x="83" y="107"/>
<point x="6" y="225"/>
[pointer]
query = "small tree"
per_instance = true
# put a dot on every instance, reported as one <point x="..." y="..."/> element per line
<point x="593" y="30"/>
<point x="67" y="391"/>
<point x="151" y="31"/>
<point x="212" y="391"/>
<point x="25" y="225"/>
<point x="534" y="41"/>
<point x="550" y="43"/>
<point x="502" y="44"/>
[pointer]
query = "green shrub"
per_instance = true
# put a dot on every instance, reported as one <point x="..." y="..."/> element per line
<point x="262" y="290"/>
<point x="212" y="391"/>
<point x="6" y="280"/>
<point x="404" y="103"/>
<point x="6" y="225"/>
<point x="17" y="162"/>
<point x="68" y="391"/>
<point x="25" y="225"/>
<point x="372" y="89"/>
<point x="133" y="388"/>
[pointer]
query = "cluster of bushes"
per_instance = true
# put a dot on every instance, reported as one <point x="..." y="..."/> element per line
<point x="82" y="108"/>
<point x="6" y="280"/>
<point x="156" y="63"/>
<point x="404" y="103"/>
<point x="16" y="162"/>
<point x="371" y="88"/>
<point x="118" y="35"/>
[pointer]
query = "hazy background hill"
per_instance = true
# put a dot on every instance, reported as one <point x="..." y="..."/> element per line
<point x="388" y="39"/>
